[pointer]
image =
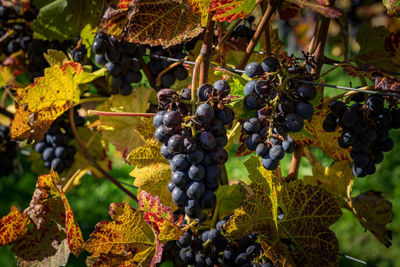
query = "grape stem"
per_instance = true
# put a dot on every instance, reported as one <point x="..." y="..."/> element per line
<point x="206" y="49"/>
<point x="7" y="113"/>
<point x="120" y="114"/>
<point x="268" y="49"/>
<point x="250" y="47"/>
<point x="295" y="163"/>
<point x="170" y="67"/>
<point x="92" y="100"/>
<point x="93" y="161"/>
<point x="147" y="72"/>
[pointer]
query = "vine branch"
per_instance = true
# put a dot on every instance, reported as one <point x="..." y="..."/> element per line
<point x="249" y="50"/>
<point x="7" y="113"/>
<point x="93" y="161"/>
<point x="206" y="49"/>
<point x="120" y="114"/>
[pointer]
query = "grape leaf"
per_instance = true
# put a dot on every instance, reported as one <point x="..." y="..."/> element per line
<point x="337" y="179"/>
<point x="120" y="131"/>
<point x="127" y="234"/>
<point x="229" y="10"/>
<point x="231" y="197"/>
<point x="13" y="226"/>
<point x="55" y="233"/>
<point x="145" y="155"/>
<point x="159" y="217"/>
<point x="317" y="6"/>
<point x="5" y="75"/>
<point x="374" y="212"/>
<point x="131" y="238"/>
<point x="55" y="57"/>
<point x="201" y="7"/>
<point x="163" y="22"/>
<point x="64" y="19"/>
<point x="393" y="7"/>
<point x="293" y="211"/>
<point x="40" y="103"/>
<point x="154" y="178"/>
<point x="372" y="48"/>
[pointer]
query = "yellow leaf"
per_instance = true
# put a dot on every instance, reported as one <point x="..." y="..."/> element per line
<point x="40" y="103"/>
<point x="154" y="179"/>
<point x="120" y="131"/>
<point x="5" y="75"/>
<point x="337" y="179"/>
<point x="13" y="226"/>
<point x="144" y="155"/>
<point x="127" y="232"/>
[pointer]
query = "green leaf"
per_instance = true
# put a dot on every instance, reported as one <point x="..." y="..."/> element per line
<point x="64" y="19"/>
<point x="372" y="48"/>
<point x="231" y="197"/>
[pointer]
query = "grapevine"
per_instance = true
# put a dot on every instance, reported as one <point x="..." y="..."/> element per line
<point x="241" y="142"/>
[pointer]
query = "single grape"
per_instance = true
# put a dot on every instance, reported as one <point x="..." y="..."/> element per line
<point x="171" y="118"/>
<point x="197" y="156"/>
<point x="204" y="114"/>
<point x="205" y="91"/>
<point x="196" y="172"/>
<point x="294" y="123"/>
<point x="252" y="101"/>
<point x="158" y="118"/>
<point x="251" y="126"/>
<point x="175" y="144"/>
<point x="167" y="80"/>
<point x="48" y="154"/>
<point x="180" y="179"/>
<point x="179" y="163"/>
<point x="304" y="110"/>
<point x="307" y="91"/>
<point x="262" y="87"/>
<point x="222" y="87"/>
<point x="252" y="141"/>
<point x="226" y="115"/>
<point x="179" y="197"/>
<point x="207" y="141"/>
<point x="276" y="152"/>
<point x="270" y="64"/>
<point x="253" y="70"/>
<point x="270" y="164"/>
<point x="250" y="87"/>
<point x="195" y="190"/>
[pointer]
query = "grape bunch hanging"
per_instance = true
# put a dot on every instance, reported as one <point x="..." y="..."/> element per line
<point x="281" y="105"/>
<point x="212" y="248"/>
<point x="194" y="144"/>
<point x="364" y="123"/>
<point x="8" y="151"/>
<point x="55" y="148"/>
<point x="122" y="60"/>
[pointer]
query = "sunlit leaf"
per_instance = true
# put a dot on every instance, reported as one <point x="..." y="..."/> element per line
<point x="55" y="57"/>
<point x="229" y="10"/>
<point x="164" y="22"/>
<point x="13" y="226"/>
<point x="127" y="234"/>
<point x="154" y="178"/>
<point x="55" y="233"/>
<point x="40" y="103"/>
<point x="120" y="131"/>
<point x="337" y="179"/>
<point x="5" y="75"/>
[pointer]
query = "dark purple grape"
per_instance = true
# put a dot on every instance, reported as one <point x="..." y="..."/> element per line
<point x="294" y="123"/>
<point x="270" y="64"/>
<point x="179" y="197"/>
<point x="180" y="179"/>
<point x="205" y="91"/>
<point x="207" y="141"/>
<point x="304" y="110"/>
<point x="225" y="115"/>
<point x="307" y="91"/>
<point x="222" y="87"/>
<point x="180" y="72"/>
<point x="250" y="87"/>
<point x="172" y="119"/>
<point x="196" y="172"/>
<point x="253" y="70"/>
<point x="204" y="114"/>
<point x="179" y="163"/>
<point x="195" y="190"/>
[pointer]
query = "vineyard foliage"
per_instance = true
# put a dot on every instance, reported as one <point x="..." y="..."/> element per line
<point x="176" y="87"/>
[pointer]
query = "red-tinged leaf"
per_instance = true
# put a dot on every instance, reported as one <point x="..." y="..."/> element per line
<point x="330" y="12"/>
<point x="13" y="226"/>
<point x="163" y="22"/>
<point x="387" y="84"/>
<point x="229" y="10"/>
<point x="288" y="11"/>
<point x="159" y="217"/>
<point x="393" y="7"/>
<point x="74" y="233"/>
<point x="55" y="234"/>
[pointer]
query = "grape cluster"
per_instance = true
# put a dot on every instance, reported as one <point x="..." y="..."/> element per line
<point x="278" y="112"/>
<point x="123" y="61"/>
<point x="156" y="65"/>
<point x="195" y="159"/>
<point x="212" y="248"/>
<point x="8" y="151"/>
<point x="55" y="149"/>
<point x="21" y="34"/>
<point x="365" y="128"/>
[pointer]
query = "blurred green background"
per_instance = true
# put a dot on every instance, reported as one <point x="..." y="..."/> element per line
<point x="91" y="200"/>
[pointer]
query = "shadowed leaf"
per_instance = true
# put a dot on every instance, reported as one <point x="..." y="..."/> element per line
<point x="296" y="212"/>
<point x="162" y="22"/>
<point x="374" y="212"/>
<point x="231" y="197"/>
